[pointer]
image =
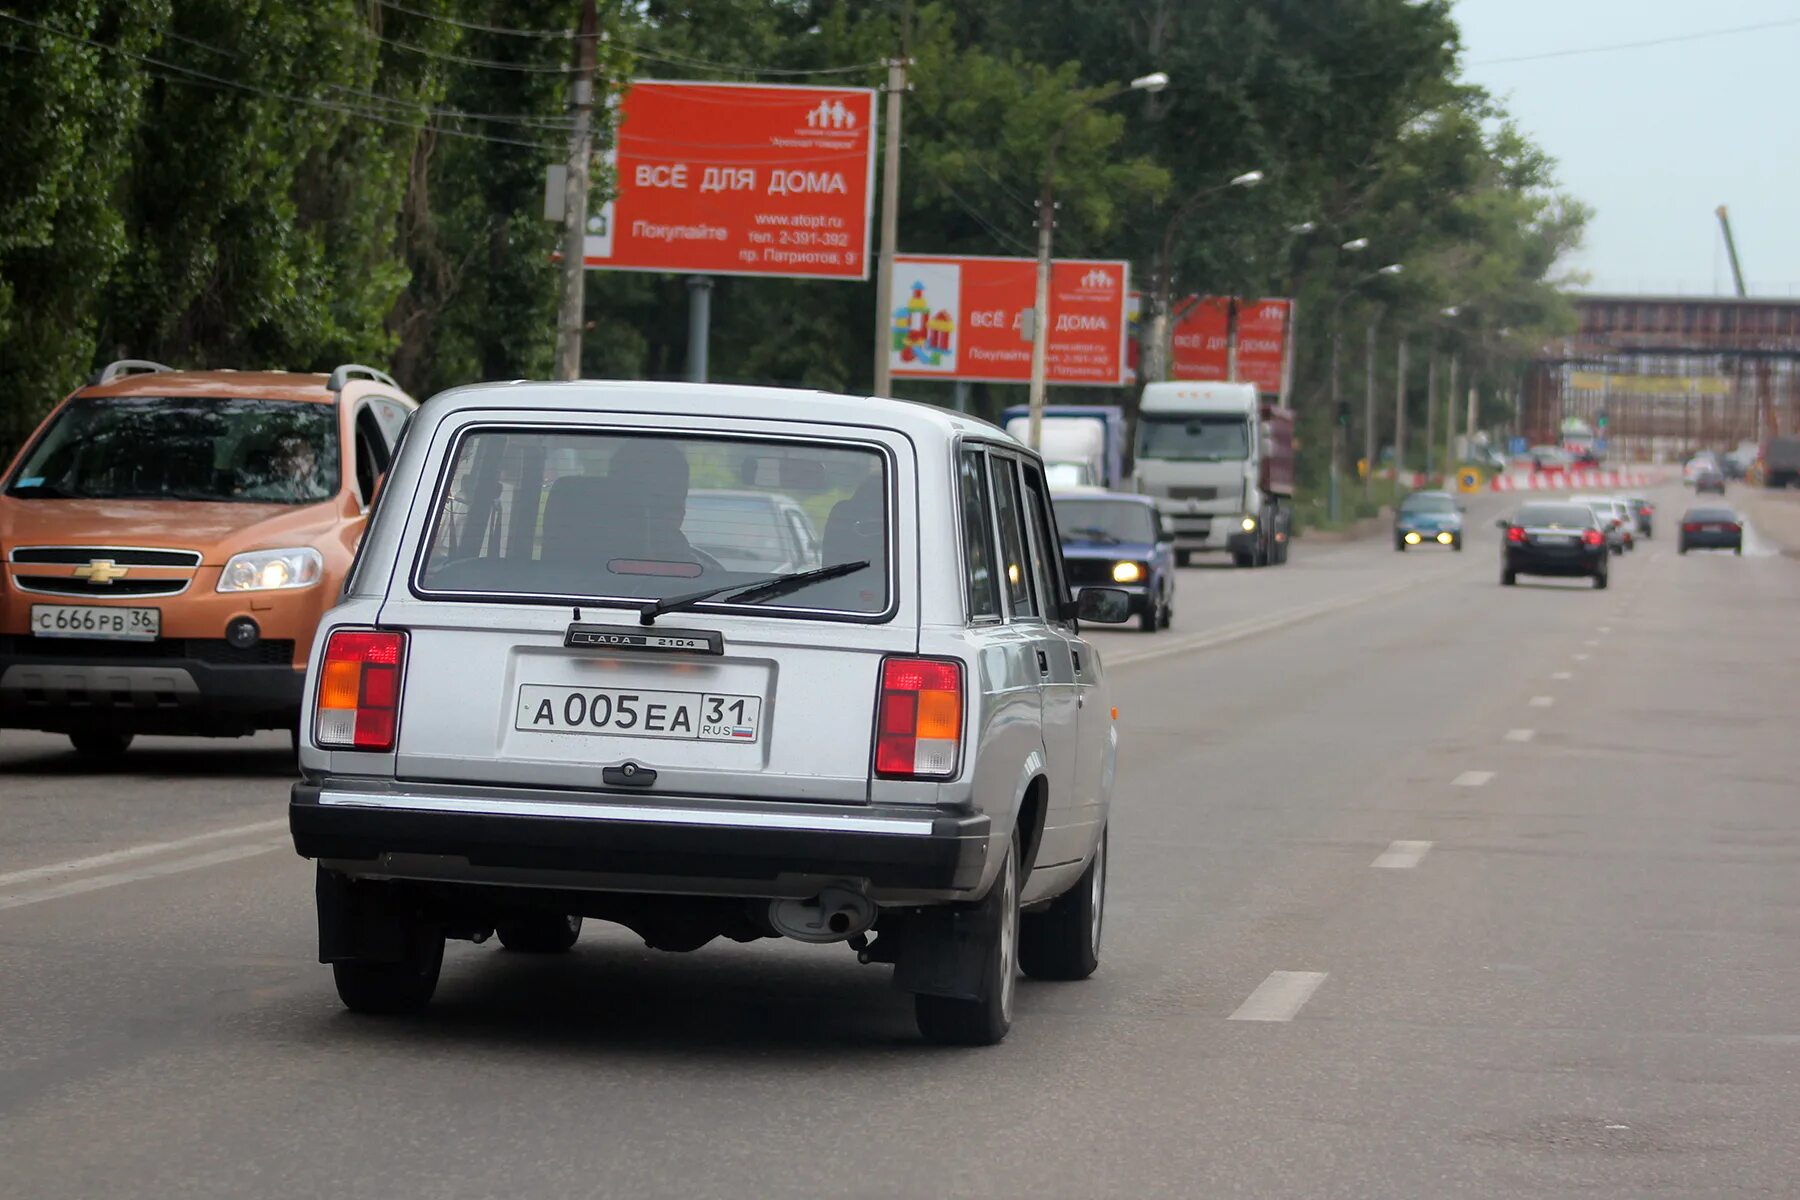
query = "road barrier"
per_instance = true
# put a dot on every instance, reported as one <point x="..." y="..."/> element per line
<point x="1568" y="481"/>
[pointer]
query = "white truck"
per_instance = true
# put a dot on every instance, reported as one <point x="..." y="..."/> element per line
<point x="1219" y="460"/>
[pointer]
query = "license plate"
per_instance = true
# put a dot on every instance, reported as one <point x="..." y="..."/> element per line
<point x="619" y="712"/>
<point x="1556" y="541"/>
<point x="94" y="621"/>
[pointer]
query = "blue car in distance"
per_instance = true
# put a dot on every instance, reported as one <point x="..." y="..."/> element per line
<point x="1428" y="518"/>
<point x="1116" y="540"/>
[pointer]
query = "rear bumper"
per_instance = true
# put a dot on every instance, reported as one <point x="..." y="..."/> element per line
<point x="144" y="695"/>
<point x="1591" y="562"/>
<point x="1712" y="541"/>
<point x="635" y="843"/>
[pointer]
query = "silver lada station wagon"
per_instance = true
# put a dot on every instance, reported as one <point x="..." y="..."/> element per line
<point x="710" y="661"/>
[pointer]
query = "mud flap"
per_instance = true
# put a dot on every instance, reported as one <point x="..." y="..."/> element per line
<point x="944" y="952"/>
<point x="362" y="922"/>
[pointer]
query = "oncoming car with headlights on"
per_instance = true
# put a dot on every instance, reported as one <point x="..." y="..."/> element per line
<point x="170" y="541"/>
<point x="545" y="697"/>
<point x="1120" y="541"/>
<point x="1428" y="518"/>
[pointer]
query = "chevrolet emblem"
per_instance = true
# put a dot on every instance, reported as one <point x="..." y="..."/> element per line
<point x="101" y="570"/>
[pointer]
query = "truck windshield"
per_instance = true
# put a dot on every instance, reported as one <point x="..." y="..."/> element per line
<point x="159" y="448"/>
<point x="1188" y="438"/>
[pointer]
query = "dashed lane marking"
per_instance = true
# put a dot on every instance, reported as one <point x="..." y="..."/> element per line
<point x="1542" y="701"/>
<point x="1473" y="778"/>
<point x="1563" y="675"/>
<point x="1402" y="856"/>
<point x="132" y="853"/>
<point x="1581" y="658"/>
<point x="1520" y="735"/>
<point x="1279" y="997"/>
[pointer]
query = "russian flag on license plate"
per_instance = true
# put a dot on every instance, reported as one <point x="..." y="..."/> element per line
<point x="744" y="734"/>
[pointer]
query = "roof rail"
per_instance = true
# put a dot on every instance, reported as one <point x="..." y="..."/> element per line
<point x="129" y="366"/>
<point x="349" y="371"/>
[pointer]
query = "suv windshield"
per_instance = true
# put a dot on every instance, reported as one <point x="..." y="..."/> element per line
<point x="590" y="516"/>
<point x="159" y="448"/>
<point x="1427" y="504"/>
<point x="1183" y="437"/>
<point x="1101" y="520"/>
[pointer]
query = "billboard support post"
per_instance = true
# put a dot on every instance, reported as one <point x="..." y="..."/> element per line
<point x="572" y="309"/>
<point x="890" y="226"/>
<point x="699" y="325"/>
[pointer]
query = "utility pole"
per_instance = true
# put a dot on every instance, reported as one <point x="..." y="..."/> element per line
<point x="1231" y="339"/>
<point x="1474" y="393"/>
<point x="1337" y="418"/>
<point x="1040" y="306"/>
<point x="890" y="227"/>
<point x="1400" y="417"/>
<point x="1431" y="399"/>
<point x="1450" y="421"/>
<point x="571" y="314"/>
<point x="1369" y="402"/>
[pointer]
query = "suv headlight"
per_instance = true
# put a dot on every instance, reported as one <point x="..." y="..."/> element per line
<point x="1127" y="572"/>
<point x="272" y="570"/>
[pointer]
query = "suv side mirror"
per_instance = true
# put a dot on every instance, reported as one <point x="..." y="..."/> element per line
<point x="1104" y="606"/>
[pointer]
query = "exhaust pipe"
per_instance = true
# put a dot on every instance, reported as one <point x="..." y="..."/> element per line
<point x="836" y="914"/>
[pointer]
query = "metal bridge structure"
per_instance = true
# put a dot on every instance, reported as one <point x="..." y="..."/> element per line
<point x="1670" y="374"/>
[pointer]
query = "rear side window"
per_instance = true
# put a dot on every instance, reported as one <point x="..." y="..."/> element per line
<point x="577" y="515"/>
<point x="978" y="537"/>
<point x="1046" y="547"/>
<point x="1015" y="558"/>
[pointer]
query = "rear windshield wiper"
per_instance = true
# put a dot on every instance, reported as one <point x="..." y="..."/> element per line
<point x="750" y="593"/>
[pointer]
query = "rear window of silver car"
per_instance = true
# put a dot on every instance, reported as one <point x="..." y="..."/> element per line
<point x="531" y="514"/>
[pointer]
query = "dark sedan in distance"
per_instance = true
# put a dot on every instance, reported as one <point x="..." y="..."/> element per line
<point x="1710" y="529"/>
<point x="1114" y="540"/>
<point x="1548" y="538"/>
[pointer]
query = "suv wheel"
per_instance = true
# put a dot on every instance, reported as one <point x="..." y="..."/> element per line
<point x="539" y="933"/>
<point x="100" y="744"/>
<point x="1063" y="941"/>
<point x="394" y="988"/>
<point x="983" y="1021"/>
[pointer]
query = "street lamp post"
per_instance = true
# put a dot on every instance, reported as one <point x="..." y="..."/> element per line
<point x="1337" y="407"/>
<point x="1040" y="312"/>
<point x="1157" y="363"/>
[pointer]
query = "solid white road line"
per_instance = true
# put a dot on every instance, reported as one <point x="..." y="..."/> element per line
<point x="1520" y="735"/>
<point x="1606" y="629"/>
<point x="1563" y="675"/>
<point x="1591" y="642"/>
<point x="1581" y="658"/>
<point x="1280" y="996"/>
<point x="174" y="866"/>
<point x="1472" y="778"/>
<point x="147" y="850"/>
<point x="1400" y="856"/>
<point x="1542" y="701"/>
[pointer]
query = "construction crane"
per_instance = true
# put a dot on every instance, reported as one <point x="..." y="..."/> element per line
<point x="1737" y="272"/>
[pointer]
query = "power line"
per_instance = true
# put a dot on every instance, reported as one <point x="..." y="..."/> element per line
<point x="478" y="27"/>
<point x="1671" y="40"/>
<point x="201" y="78"/>
<point x="963" y="204"/>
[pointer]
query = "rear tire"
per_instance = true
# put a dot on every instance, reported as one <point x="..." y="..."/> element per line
<point x="100" y="745"/>
<point x="985" y="1020"/>
<point x="396" y="988"/>
<point x="1600" y="581"/>
<point x="1738" y="550"/>
<point x="1183" y="558"/>
<point x="1508" y="578"/>
<point x="539" y="933"/>
<point x="1063" y="941"/>
<point x="1681" y="548"/>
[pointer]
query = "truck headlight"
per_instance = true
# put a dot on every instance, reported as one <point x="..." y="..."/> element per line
<point x="1127" y="572"/>
<point x="1249" y="524"/>
<point x="272" y="570"/>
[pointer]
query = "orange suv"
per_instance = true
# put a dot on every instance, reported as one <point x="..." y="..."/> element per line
<point x="170" y="540"/>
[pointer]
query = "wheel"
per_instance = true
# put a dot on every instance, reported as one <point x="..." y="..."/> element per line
<point x="101" y="745"/>
<point x="953" y="1021"/>
<point x="1618" y="550"/>
<point x="1183" y="558"/>
<point x="1508" y="578"/>
<point x="1168" y="614"/>
<point x="392" y="989"/>
<point x="1063" y="941"/>
<point x="1242" y="558"/>
<point x="1456" y="543"/>
<point x="1681" y="547"/>
<point x="1148" y="621"/>
<point x="1738" y="549"/>
<point x="1600" y="581"/>
<point x="539" y="933"/>
<point x="1400" y="545"/>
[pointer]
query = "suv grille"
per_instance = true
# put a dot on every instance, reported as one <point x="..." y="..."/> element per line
<point x="1086" y="571"/>
<point x="63" y="585"/>
<point x="215" y="651"/>
<point x="124" y="556"/>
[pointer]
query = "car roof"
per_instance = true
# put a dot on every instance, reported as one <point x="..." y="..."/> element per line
<point x="1115" y="497"/>
<point x="1710" y="511"/>
<point x="244" y="385"/>
<point x="1426" y="496"/>
<point x="720" y="400"/>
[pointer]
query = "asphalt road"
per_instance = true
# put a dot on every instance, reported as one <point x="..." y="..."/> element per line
<point x="1420" y="887"/>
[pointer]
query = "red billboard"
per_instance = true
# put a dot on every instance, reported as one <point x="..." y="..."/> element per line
<point x="967" y="318"/>
<point x="1199" y="340"/>
<point x="740" y="179"/>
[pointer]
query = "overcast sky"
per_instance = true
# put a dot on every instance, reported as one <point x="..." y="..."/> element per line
<point x="1655" y="138"/>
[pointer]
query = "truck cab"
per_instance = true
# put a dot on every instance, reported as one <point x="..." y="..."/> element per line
<point x="1219" y="463"/>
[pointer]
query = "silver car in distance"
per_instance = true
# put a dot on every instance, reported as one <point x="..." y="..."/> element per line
<point x="576" y="673"/>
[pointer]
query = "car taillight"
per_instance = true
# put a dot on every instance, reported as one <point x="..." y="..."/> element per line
<point x="359" y="690"/>
<point x="918" y="719"/>
<point x="1734" y="529"/>
<point x="1644" y="512"/>
<point x="1592" y="537"/>
<point x="1690" y="527"/>
<point x="1515" y="533"/>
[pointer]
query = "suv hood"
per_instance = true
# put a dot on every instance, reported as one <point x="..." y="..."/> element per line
<point x="216" y="530"/>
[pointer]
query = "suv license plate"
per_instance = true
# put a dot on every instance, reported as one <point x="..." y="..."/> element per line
<point x="618" y="712"/>
<point x="94" y="621"/>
